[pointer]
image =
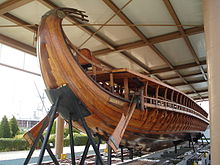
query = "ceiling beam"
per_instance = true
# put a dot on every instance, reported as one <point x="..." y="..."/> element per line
<point x="185" y="76"/>
<point x="184" y="36"/>
<point x="51" y="5"/>
<point x="114" y="8"/>
<point x="200" y="91"/>
<point x="137" y="61"/>
<point x="152" y="40"/>
<point x="12" y="4"/>
<point x="190" y="82"/>
<point x="203" y="98"/>
<point x="17" y="44"/>
<point x="19" y="21"/>
<point x="178" y="67"/>
<point x="111" y="5"/>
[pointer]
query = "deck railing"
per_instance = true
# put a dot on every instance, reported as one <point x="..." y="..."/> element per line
<point x="168" y="105"/>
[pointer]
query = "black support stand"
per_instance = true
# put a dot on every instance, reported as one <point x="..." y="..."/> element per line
<point x="71" y="108"/>
<point x="109" y="161"/>
<point x="131" y="155"/>
<point x="51" y="116"/>
<point x="85" y="152"/>
<point x="205" y="138"/>
<point x="71" y="141"/>
<point x="191" y="139"/>
<point x="51" y="120"/>
<point x="122" y="154"/>
<point x="98" y="146"/>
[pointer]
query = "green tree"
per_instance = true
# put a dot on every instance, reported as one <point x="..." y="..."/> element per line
<point x="53" y="130"/>
<point x="5" y="128"/>
<point x="0" y="130"/>
<point x="13" y="126"/>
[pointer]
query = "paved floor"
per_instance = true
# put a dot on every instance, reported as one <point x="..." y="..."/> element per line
<point x="18" y="157"/>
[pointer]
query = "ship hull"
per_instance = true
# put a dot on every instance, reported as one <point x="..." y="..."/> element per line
<point x="149" y="129"/>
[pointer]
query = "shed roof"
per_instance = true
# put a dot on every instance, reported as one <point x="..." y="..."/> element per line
<point x="160" y="38"/>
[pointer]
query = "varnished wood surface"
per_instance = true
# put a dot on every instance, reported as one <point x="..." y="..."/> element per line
<point x="58" y="67"/>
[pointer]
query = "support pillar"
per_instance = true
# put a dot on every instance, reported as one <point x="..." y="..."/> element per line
<point x="212" y="33"/>
<point x="59" y="136"/>
<point x="126" y="88"/>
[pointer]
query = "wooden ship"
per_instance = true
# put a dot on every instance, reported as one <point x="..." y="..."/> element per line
<point x="126" y="108"/>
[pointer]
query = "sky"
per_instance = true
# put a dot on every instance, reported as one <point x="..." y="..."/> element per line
<point x="18" y="93"/>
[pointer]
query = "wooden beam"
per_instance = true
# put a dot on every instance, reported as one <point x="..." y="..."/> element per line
<point x="144" y="39"/>
<point x="114" y="8"/>
<point x="190" y="82"/>
<point x="12" y="4"/>
<point x="126" y="88"/>
<point x="200" y="91"/>
<point x="51" y="5"/>
<point x="17" y="44"/>
<point x="178" y="67"/>
<point x="185" y="76"/>
<point x="19" y="21"/>
<point x="136" y="61"/>
<point x="152" y="40"/>
<point x="203" y="98"/>
<point x="105" y="42"/>
<point x="59" y="138"/>
<point x="112" y="82"/>
<point x="182" y="31"/>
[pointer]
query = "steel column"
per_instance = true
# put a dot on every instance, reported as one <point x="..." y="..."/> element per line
<point x="71" y="141"/>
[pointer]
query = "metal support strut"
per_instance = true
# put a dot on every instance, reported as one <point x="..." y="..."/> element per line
<point x="98" y="146"/>
<point x="109" y="161"/>
<point x="71" y="140"/>
<point x="122" y="154"/>
<point x="51" y="120"/>
<point x="51" y="115"/>
<point x="72" y="109"/>
<point x="191" y="139"/>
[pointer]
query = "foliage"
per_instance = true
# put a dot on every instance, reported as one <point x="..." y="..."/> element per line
<point x="5" y="128"/>
<point x="0" y="130"/>
<point x="18" y="143"/>
<point x="79" y="139"/>
<point x="19" y="136"/>
<point x="53" y="130"/>
<point x="13" y="126"/>
<point x="66" y="131"/>
<point x="11" y="144"/>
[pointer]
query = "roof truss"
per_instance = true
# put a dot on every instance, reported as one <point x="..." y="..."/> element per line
<point x="182" y="33"/>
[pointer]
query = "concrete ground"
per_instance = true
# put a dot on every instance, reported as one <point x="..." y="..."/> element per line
<point x="18" y="157"/>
